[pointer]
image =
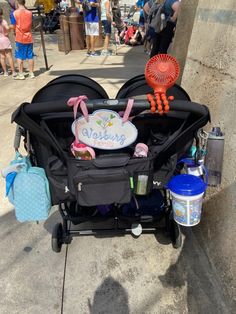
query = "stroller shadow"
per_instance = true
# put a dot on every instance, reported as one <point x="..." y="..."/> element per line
<point x="162" y="237"/>
<point x="109" y="298"/>
<point x="133" y="64"/>
<point x="41" y="71"/>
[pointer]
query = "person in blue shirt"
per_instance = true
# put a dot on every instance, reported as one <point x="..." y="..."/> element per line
<point x="140" y="4"/>
<point x="162" y="40"/>
<point x="91" y="19"/>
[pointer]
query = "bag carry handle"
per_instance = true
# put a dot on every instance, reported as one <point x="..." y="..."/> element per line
<point x="114" y="161"/>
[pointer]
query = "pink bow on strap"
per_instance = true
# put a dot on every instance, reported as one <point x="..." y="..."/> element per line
<point x="79" y="101"/>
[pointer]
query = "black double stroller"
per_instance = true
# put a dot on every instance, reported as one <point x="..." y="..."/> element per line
<point x="106" y="179"/>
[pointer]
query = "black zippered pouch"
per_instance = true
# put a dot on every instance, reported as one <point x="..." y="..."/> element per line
<point x="107" y="180"/>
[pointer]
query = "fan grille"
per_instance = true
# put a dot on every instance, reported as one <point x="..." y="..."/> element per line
<point x="162" y="70"/>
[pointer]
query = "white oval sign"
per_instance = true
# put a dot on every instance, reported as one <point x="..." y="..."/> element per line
<point x="105" y="130"/>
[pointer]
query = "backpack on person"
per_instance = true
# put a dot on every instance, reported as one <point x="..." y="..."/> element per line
<point x="156" y="19"/>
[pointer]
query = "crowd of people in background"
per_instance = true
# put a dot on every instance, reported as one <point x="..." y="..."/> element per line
<point x="129" y="30"/>
<point x="132" y="30"/>
<point x="21" y="22"/>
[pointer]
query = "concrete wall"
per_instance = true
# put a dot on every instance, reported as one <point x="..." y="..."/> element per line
<point x="209" y="77"/>
<point x="183" y="32"/>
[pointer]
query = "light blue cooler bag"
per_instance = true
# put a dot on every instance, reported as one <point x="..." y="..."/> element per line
<point x="30" y="193"/>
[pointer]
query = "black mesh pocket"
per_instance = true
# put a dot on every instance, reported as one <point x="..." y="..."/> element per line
<point x="141" y="171"/>
<point x="143" y="182"/>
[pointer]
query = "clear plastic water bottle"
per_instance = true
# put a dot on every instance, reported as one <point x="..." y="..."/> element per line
<point x="142" y="185"/>
<point x="214" y="156"/>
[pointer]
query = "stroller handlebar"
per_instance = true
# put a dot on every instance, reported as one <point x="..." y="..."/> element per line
<point x="35" y="109"/>
<point x="29" y="115"/>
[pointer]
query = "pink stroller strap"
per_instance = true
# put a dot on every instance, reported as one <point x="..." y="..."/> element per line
<point x="125" y="114"/>
<point x="79" y="101"/>
<point x="128" y="110"/>
<point x="75" y="102"/>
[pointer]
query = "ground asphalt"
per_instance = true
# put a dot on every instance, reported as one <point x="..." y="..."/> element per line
<point x="93" y="274"/>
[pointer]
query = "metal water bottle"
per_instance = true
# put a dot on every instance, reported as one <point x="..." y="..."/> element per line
<point x="214" y="156"/>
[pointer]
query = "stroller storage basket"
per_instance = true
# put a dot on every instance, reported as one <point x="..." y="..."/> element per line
<point x="107" y="180"/>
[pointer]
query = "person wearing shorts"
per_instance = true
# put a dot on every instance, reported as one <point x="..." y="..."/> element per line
<point x="5" y="46"/>
<point x="91" y="25"/>
<point x="106" y="19"/>
<point x="22" y="21"/>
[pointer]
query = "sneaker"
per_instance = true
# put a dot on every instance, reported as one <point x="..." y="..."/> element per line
<point x="20" y="76"/>
<point x="105" y="53"/>
<point x="94" y="54"/>
<point x="6" y="74"/>
<point x="14" y="74"/>
<point x="31" y="75"/>
<point x="88" y="53"/>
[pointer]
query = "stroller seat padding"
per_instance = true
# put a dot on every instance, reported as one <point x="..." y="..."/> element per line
<point x="67" y="86"/>
<point x="138" y="86"/>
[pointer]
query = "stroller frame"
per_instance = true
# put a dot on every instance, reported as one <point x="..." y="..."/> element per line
<point x="62" y="234"/>
<point x="49" y="107"/>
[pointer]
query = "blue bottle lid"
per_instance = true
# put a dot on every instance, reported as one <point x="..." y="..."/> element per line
<point x="187" y="185"/>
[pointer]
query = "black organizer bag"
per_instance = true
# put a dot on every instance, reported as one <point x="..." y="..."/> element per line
<point x="106" y="180"/>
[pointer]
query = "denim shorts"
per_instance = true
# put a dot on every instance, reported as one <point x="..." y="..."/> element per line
<point x="107" y="26"/>
<point x="24" y="51"/>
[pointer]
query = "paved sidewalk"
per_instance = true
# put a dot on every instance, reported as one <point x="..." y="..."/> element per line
<point x="112" y="275"/>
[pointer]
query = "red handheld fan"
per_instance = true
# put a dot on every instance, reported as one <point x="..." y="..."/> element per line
<point x="161" y="73"/>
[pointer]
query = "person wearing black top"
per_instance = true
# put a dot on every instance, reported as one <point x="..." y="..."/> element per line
<point x="162" y="40"/>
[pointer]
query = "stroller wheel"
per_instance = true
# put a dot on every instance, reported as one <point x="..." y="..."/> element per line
<point x="175" y="234"/>
<point x="57" y="238"/>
